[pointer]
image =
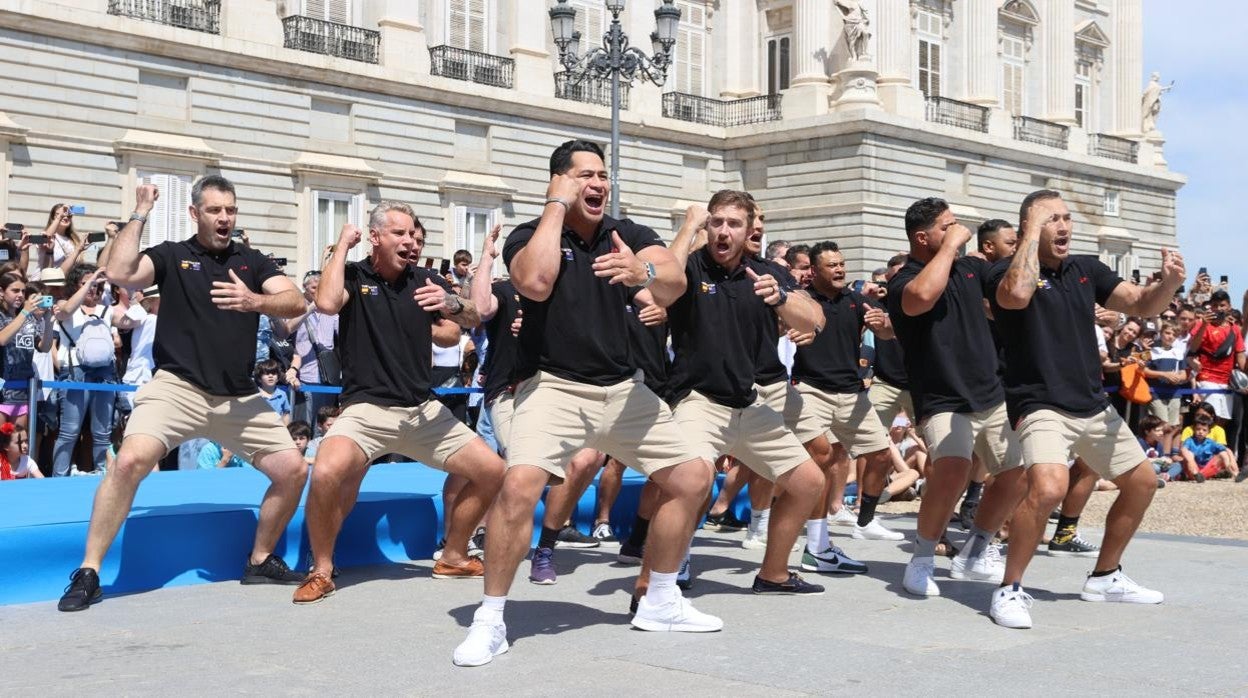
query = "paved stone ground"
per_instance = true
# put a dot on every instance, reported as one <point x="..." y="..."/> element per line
<point x="391" y="630"/>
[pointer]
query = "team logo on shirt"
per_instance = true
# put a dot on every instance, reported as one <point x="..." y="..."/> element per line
<point x="1043" y="284"/>
<point x="970" y="275"/>
<point x="708" y="289"/>
<point x="1083" y="279"/>
<point x="188" y="265"/>
<point x="567" y="253"/>
<point x="366" y="290"/>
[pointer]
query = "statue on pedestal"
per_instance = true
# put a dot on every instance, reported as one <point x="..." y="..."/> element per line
<point x="1150" y="103"/>
<point x="856" y="25"/>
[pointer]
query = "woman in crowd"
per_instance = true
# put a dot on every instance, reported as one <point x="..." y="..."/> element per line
<point x="64" y="246"/>
<point x="26" y="329"/>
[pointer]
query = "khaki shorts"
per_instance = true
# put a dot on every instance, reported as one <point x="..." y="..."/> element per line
<point x="427" y="432"/>
<point x="755" y="435"/>
<point x="783" y="398"/>
<point x="1103" y="440"/>
<point x="849" y="416"/>
<point x="501" y="411"/>
<point x="890" y="401"/>
<point x="986" y="434"/>
<point x="171" y="410"/>
<point x="556" y="417"/>
<point x="1169" y="411"/>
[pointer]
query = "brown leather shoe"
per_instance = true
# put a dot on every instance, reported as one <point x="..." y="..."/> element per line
<point x="315" y="588"/>
<point x="472" y="569"/>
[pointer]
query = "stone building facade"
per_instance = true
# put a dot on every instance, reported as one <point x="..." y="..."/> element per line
<point x="319" y="108"/>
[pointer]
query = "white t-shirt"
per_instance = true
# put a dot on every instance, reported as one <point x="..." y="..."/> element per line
<point x="24" y="467"/>
<point x="451" y="356"/>
<point x="139" y="367"/>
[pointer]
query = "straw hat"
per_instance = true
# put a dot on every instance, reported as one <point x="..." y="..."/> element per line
<point x="52" y="276"/>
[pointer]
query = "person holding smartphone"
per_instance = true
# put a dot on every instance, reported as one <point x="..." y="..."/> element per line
<point x="64" y="246"/>
<point x="27" y="324"/>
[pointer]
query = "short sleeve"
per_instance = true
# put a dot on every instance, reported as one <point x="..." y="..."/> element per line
<point x="993" y="278"/>
<point x="1104" y="279"/>
<point x="437" y="279"/>
<point x="159" y="254"/>
<point x="982" y="269"/>
<point x="266" y="269"/>
<point x="516" y="241"/>
<point x="638" y="237"/>
<point x="896" y="286"/>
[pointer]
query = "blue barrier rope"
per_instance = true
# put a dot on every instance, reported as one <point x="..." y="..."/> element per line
<point x="303" y="388"/>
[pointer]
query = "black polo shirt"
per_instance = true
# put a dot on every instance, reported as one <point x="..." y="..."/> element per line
<point x="715" y="329"/>
<point x="830" y="363"/>
<point x="214" y="349"/>
<point x="890" y="363"/>
<point x="385" y="337"/>
<point x="1051" y="356"/>
<point x="580" y="332"/>
<point x="500" y="358"/>
<point x="649" y="346"/>
<point x="950" y="356"/>
<point x="770" y="370"/>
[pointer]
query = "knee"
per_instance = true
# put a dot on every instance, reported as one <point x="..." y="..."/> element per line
<point x="288" y="469"/>
<point x="805" y="479"/>
<point x="520" y="491"/>
<point x="1047" y="492"/>
<point x="128" y="468"/>
<point x="690" y="480"/>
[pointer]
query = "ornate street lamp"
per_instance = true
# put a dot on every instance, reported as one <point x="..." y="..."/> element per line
<point x="616" y="60"/>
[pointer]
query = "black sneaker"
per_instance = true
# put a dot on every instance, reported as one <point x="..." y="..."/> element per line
<point x="727" y="521"/>
<point x="272" y="571"/>
<point x="1073" y="546"/>
<point x="966" y="514"/>
<point x="632" y="605"/>
<point x="794" y="585"/>
<point x="476" y="544"/>
<point x="83" y="590"/>
<point x="630" y="554"/>
<point x="1243" y="475"/>
<point x="569" y="537"/>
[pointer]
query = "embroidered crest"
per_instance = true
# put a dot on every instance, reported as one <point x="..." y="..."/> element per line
<point x="188" y="265"/>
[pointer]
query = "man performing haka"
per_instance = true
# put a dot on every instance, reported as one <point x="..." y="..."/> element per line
<point x="731" y="301"/>
<point x="835" y="401"/>
<point x="1042" y="302"/>
<point x="579" y="388"/>
<point x="936" y="302"/>
<point x="213" y="290"/>
<point x="391" y="312"/>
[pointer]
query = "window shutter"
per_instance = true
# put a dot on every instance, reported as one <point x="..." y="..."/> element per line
<point x="154" y="232"/>
<point x="457" y="23"/>
<point x="477" y="37"/>
<point x="181" y="226"/>
<point x="461" y="227"/>
<point x="935" y="57"/>
<point x="338" y="11"/>
<point x="314" y="9"/>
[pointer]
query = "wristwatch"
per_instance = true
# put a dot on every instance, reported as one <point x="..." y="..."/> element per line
<point x="651" y="275"/>
<point x="784" y="297"/>
<point x="140" y="217"/>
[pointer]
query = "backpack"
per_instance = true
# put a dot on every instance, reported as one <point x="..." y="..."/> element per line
<point x="94" y="345"/>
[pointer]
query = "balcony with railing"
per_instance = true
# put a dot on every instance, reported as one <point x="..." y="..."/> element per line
<point x="721" y="112"/>
<point x="1039" y="131"/>
<point x="589" y="90"/>
<point x="331" y="38"/>
<point x="472" y="66"/>
<point x="951" y="112"/>
<point x="197" y="15"/>
<point x="1113" y="147"/>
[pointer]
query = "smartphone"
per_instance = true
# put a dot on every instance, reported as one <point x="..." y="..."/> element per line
<point x="38" y="239"/>
<point x="12" y="233"/>
<point x="96" y="237"/>
<point x="1135" y="275"/>
<point x="445" y="268"/>
<point x="280" y="261"/>
<point x="1224" y="280"/>
<point x="4" y="255"/>
<point x="1203" y="270"/>
<point x="428" y="262"/>
<point x="238" y="233"/>
<point x="1182" y="290"/>
<point x="45" y="301"/>
<point x="78" y="210"/>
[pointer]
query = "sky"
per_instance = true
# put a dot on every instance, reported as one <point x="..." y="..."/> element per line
<point x="1200" y="45"/>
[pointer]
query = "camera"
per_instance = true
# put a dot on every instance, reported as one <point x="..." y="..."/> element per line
<point x="45" y="301"/>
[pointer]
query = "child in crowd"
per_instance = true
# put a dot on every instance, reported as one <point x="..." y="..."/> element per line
<point x="301" y="432"/>
<point x="214" y="455"/>
<point x="1166" y="374"/>
<point x="1202" y="456"/>
<point x="1217" y="433"/>
<point x="15" y="460"/>
<point x="266" y="379"/>
<point x="325" y="418"/>
<point x="1167" y="462"/>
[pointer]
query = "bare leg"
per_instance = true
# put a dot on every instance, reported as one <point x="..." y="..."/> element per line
<point x="288" y="473"/>
<point x="483" y="470"/>
<point x="609" y="486"/>
<point x="684" y="490"/>
<point x="1082" y="485"/>
<point x="562" y="498"/>
<point x="838" y="477"/>
<point x="1135" y="493"/>
<point x="800" y="491"/>
<point x="1047" y="484"/>
<point x="946" y="480"/>
<point x="761" y="492"/>
<point x="734" y="480"/>
<point x="340" y="468"/>
<point x="115" y="495"/>
<point x="511" y="526"/>
<point x="1001" y="499"/>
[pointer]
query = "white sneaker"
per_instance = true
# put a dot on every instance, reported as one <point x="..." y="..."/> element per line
<point x="875" y="531"/>
<point x="485" y="641"/>
<point x="1011" y="608"/>
<point x="754" y="541"/>
<point x="675" y="616"/>
<point x="988" y="567"/>
<point x="843" y="517"/>
<point x="920" y="577"/>
<point x="1119" y="588"/>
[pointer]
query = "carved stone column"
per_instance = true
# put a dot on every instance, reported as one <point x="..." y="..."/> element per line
<point x="1128" y="66"/>
<point x="1058" y="28"/>
<point x="812" y="51"/>
<point x="983" y="66"/>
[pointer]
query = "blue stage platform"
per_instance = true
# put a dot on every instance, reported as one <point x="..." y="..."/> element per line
<point x="191" y="527"/>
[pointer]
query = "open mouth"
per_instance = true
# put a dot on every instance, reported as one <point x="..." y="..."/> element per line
<point x="594" y="202"/>
<point x="1062" y="244"/>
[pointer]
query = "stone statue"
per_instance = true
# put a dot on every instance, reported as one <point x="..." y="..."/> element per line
<point x="856" y="24"/>
<point x="1150" y="103"/>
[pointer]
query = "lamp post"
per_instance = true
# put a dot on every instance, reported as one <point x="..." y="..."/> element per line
<point x="617" y="60"/>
